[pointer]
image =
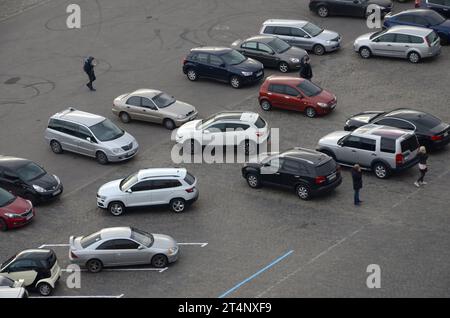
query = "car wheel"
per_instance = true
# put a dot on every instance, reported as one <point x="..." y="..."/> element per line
<point x="56" y="147"/>
<point x="310" y="112"/>
<point x="235" y="81"/>
<point x="303" y="191"/>
<point x="253" y="181"/>
<point x="125" y="117"/>
<point x="381" y="170"/>
<point x="101" y="158"/>
<point x="265" y="105"/>
<point x="283" y="67"/>
<point x="169" y="124"/>
<point x="191" y="75"/>
<point x="94" y="265"/>
<point x="3" y="225"/>
<point x="177" y="205"/>
<point x="322" y="11"/>
<point x="318" y="49"/>
<point x="45" y="289"/>
<point x="365" y="52"/>
<point x="414" y="57"/>
<point x="116" y="208"/>
<point x="159" y="261"/>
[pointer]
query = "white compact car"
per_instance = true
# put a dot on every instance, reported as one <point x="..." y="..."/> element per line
<point x="243" y="129"/>
<point x="149" y="187"/>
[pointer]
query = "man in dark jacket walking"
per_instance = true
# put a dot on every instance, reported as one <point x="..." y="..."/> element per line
<point x="357" y="182"/>
<point x="305" y="68"/>
<point x="88" y="67"/>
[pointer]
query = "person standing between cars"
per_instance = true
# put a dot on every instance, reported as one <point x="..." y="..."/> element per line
<point x="423" y="157"/>
<point x="88" y="67"/>
<point x="357" y="182"/>
<point x="305" y="68"/>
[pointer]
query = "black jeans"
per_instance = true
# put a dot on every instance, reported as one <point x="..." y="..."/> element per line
<point x="92" y="78"/>
<point x="422" y="175"/>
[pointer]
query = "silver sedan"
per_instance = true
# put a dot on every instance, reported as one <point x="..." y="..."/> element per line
<point x="122" y="246"/>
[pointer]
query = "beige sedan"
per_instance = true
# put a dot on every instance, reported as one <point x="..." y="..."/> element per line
<point x="153" y="106"/>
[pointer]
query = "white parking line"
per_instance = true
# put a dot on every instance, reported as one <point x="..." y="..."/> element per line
<point x="199" y="244"/>
<point x="94" y="296"/>
<point x="53" y="245"/>
<point x="151" y="269"/>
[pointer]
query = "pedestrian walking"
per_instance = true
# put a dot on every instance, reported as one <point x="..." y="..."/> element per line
<point x="88" y="67"/>
<point x="357" y="182"/>
<point x="305" y="68"/>
<point x="423" y="168"/>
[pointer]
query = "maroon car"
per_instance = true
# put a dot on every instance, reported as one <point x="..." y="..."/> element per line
<point x="297" y="94"/>
<point x="14" y="211"/>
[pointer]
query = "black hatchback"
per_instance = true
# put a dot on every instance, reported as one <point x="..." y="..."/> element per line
<point x="222" y="64"/>
<point x="28" y="180"/>
<point x="305" y="171"/>
<point x="352" y="8"/>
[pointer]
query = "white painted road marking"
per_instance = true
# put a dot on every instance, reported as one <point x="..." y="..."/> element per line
<point x="66" y="245"/>
<point x="199" y="244"/>
<point x="160" y="270"/>
<point x="94" y="296"/>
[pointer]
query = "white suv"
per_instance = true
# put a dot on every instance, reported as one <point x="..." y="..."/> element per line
<point x="244" y="129"/>
<point x="168" y="186"/>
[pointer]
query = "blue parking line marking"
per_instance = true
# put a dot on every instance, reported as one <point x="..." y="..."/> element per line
<point x="256" y="274"/>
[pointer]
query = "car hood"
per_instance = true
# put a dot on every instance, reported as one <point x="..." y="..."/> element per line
<point x="381" y="3"/>
<point x="124" y="140"/>
<point x="333" y="138"/>
<point x="18" y="206"/>
<point x="112" y="187"/>
<point x="47" y="181"/>
<point x="323" y="97"/>
<point x="249" y="65"/>
<point x="364" y="37"/>
<point x="294" y="52"/>
<point x="445" y="25"/>
<point x="188" y="127"/>
<point x="163" y="241"/>
<point x="179" y="108"/>
<point x="327" y="35"/>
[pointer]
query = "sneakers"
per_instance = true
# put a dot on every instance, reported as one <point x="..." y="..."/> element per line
<point x="424" y="182"/>
<point x="417" y="184"/>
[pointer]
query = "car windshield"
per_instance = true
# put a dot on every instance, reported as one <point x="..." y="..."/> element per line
<point x="90" y="239"/>
<point x="142" y="237"/>
<point x="233" y="57"/>
<point x="312" y="29"/>
<point x="373" y="35"/>
<point x="309" y="89"/>
<point x="6" y="198"/>
<point x="163" y="100"/>
<point x="6" y="263"/>
<point x="128" y="181"/>
<point x="426" y="120"/>
<point x="206" y="122"/>
<point x="279" y="45"/>
<point x="106" y="130"/>
<point x="435" y="18"/>
<point x="30" y="172"/>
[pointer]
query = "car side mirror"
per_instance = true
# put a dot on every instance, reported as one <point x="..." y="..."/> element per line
<point x="129" y="191"/>
<point x="206" y="132"/>
<point x="141" y="247"/>
<point x="300" y="96"/>
<point x="89" y="139"/>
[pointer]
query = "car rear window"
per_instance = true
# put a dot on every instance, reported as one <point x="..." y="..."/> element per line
<point x="190" y="179"/>
<point x="410" y="143"/>
<point x="432" y="37"/>
<point x="326" y="168"/>
<point x="260" y="123"/>
<point x="427" y="121"/>
<point x="89" y="240"/>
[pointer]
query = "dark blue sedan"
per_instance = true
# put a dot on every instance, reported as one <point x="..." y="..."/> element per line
<point x="222" y="64"/>
<point x="422" y="18"/>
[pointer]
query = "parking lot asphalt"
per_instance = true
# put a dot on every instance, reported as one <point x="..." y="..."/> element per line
<point x="260" y="243"/>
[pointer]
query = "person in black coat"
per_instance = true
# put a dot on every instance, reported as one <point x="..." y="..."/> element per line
<point x="305" y="68"/>
<point x="88" y="67"/>
<point x="423" y="168"/>
<point x="357" y="182"/>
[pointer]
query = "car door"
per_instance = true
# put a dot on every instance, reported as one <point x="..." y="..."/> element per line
<point x="106" y="253"/>
<point x="214" y="134"/>
<point x="133" y="107"/>
<point x="140" y="195"/>
<point x="267" y="55"/>
<point x="283" y="33"/>
<point x="290" y="172"/>
<point x="22" y="269"/>
<point x="271" y="171"/>
<point x="217" y="68"/>
<point x="348" y="150"/>
<point x="383" y="45"/>
<point x="163" y="190"/>
<point x="236" y="133"/>
<point x="200" y="60"/>
<point x="68" y="138"/>
<point x="293" y="99"/>
<point x="150" y="111"/>
<point x="301" y="39"/>
<point x="276" y="94"/>
<point x="127" y="252"/>
<point x="401" y="45"/>
<point x="250" y="49"/>
<point x="345" y="7"/>
<point x="87" y="143"/>
<point x="366" y="151"/>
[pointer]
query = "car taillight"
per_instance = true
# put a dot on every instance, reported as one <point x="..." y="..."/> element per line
<point x="73" y="255"/>
<point x="190" y="190"/>
<point x="399" y="159"/>
<point x="320" y="179"/>
<point x="428" y="41"/>
<point x="437" y="137"/>
<point x="417" y="3"/>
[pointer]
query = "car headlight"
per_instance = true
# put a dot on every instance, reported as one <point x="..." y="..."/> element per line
<point x="172" y="250"/>
<point x="294" y="60"/>
<point x="181" y="116"/>
<point x="247" y="73"/>
<point x="101" y="197"/>
<point x="57" y="179"/>
<point x="322" y="104"/>
<point x="12" y="215"/>
<point x="38" y="188"/>
<point x="328" y="42"/>
<point x="117" y="150"/>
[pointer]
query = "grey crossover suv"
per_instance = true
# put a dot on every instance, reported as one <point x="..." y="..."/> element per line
<point x="90" y="135"/>
<point x="382" y="149"/>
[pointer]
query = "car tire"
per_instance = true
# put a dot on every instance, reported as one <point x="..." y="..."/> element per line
<point x="177" y="205"/>
<point x="283" y="67"/>
<point x="235" y="81"/>
<point x="253" y="180"/>
<point x="44" y="289"/>
<point x="3" y="226"/>
<point x="191" y="75"/>
<point x="310" y="112"/>
<point x="116" y="208"/>
<point x="265" y="105"/>
<point x="414" y="57"/>
<point x="169" y="124"/>
<point x="318" y="49"/>
<point x="303" y="191"/>
<point x="322" y="11"/>
<point x="94" y="265"/>
<point x="56" y="147"/>
<point x="101" y="158"/>
<point x="159" y="261"/>
<point x="381" y="170"/>
<point x="124" y="117"/>
<point x="365" y="52"/>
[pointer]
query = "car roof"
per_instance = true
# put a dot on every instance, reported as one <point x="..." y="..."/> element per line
<point x="146" y="92"/>
<point x="420" y="12"/>
<point x="161" y="172"/>
<point x="381" y="130"/>
<point x="311" y="156"/>
<point x="408" y="114"/>
<point x="12" y="162"/>
<point x="79" y="117"/>
<point x="261" y="38"/>
<point x="33" y="254"/>
<point x="249" y="117"/>
<point x="115" y="232"/>
<point x="291" y="80"/>
<point x="212" y="49"/>
<point x="285" y="22"/>
<point x="409" y="30"/>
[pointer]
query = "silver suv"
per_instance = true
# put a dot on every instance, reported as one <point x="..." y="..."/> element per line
<point x="91" y="135"/>
<point x="382" y="149"/>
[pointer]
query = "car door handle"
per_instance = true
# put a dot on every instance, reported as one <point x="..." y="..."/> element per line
<point x="388" y="45"/>
<point x="286" y="97"/>
<point x="373" y="154"/>
<point x="296" y="176"/>
<point x="128" y="106"/>
<point x="353" y="150"/>
<point x="406" y="45"/>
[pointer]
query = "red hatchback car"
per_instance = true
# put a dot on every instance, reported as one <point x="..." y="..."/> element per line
<point x="14" y="211"/>
<point x="295" y="93"/>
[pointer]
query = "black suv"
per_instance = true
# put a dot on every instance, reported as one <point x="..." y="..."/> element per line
<point x="306" y="171"/>
<point x="222" y="64"/>
<point x="28" y="180"/>
<point x="353" y="8"/>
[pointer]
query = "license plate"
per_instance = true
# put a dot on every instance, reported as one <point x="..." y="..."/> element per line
<point x="332" y="177"/>
<point x="29" y="217"/>
<point x="259" y="73"/>
<point x="446" y="134"/>
<point x="130" y="153"/>
<point x="333" y="106"/>
<point x="57" y="192"/>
